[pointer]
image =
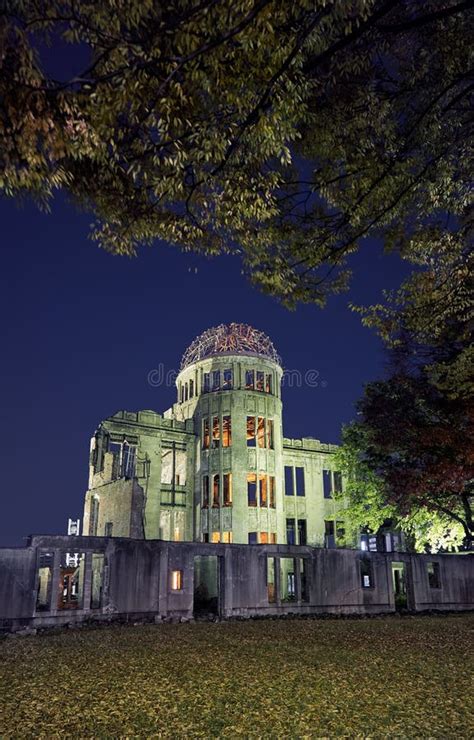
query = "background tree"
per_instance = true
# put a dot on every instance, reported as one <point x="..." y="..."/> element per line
<point x="410" y="455"/>
<point x="287" y="132"/>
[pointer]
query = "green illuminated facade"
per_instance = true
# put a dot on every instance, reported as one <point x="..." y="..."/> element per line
<point x="216" y="466"/>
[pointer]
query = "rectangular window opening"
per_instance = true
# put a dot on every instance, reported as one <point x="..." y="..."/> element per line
<point x="216" y="432"/>
<point x="249" y="380"/>
<point x="97" y="583"/>
<point x="434" y="578"/>
<point x="287" y="580"/>
<point x="260" y="381"/>
<point x="300" y="491"/>
<point x="268" y="383"/>
<point x="176" y="580"/>
<point x="290" y="532"/>
<point x="271" y="594"/>
<point x="327" y="484"/>
<point x="226" y="431"/>
<point x="205" y="434"/>
<point x="271" y="481"/>
<point x="302" y="531"/>
<point x="366" y="576"/>
<point x="215" y="491"/>
<point x="250" y="431"/>
<point x="227" y="382"/>
<point x="304" y="580"/>
<point x="288" y="480"/>
<point x="262" y="485"/>
<point x="216" y="380"/>
<point x="252" y="489"/>
<point x="227" y="489"/>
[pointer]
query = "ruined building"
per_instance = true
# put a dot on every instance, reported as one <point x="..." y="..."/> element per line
<point x="209" y="509"/>
<point x="215" y="467"/>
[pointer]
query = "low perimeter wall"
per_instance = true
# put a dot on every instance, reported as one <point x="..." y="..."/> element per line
<point x="65" y="580"/>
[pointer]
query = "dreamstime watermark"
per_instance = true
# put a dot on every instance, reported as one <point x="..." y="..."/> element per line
<point x="161" y="377"/>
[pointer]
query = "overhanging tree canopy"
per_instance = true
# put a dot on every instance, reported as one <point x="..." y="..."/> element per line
<point x="285" y="131"/>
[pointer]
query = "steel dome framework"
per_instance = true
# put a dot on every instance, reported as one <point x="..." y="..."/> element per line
<point x="236" y="339"/>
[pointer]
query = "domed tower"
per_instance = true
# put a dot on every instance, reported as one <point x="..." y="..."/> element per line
<point x="230" y="385"/>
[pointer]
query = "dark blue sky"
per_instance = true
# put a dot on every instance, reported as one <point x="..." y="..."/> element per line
<point x="81" y="330"/>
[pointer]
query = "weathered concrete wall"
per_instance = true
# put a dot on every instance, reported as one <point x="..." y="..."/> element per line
<point x="158" y="579"/>
<point x="17" y="583"/>
<point x="121" y="503"/>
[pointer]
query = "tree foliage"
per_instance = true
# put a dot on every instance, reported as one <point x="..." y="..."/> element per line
<point x="410" y="455"/>
<point x="287" y="132"/>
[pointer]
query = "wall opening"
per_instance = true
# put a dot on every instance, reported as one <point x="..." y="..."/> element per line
<point x="44" y="580"/>
<point x="399" y="582"/>
<point x="71" y="581"/>
<point x="206" y="585"/>
<point x="287" y="580"/>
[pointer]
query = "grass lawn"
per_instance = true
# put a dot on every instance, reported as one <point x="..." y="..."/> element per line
<point x="401" y="677"/>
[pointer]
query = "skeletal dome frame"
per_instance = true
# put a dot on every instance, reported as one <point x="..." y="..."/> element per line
<point x="236" y="339"/>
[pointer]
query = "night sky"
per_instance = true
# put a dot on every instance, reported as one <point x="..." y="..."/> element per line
<point x="81" y="330"/>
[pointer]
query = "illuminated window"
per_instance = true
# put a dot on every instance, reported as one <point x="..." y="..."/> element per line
<point x="290" y="532"/>
<point x="216" y="432"/>
<point x="216" y="537"/>
<point x="301" y="531"/>
<point x="271" y="486"/>
<point x="250" y="431"/>
<point x="206" y="383"/>
<point x="434" y="579"/>
<point x="227" y="537"/>
<point x="288" y="480"/>
<point x="226" y="431"/>
<point x="216" y="380"/>
<point x="205" y="491"/>
<point x="215" y="491"/>
<point x="177" y="534"/>
<point x="249" y="380"/>
<point x="366" y="573"/>
<point x="227" y="489"/>
<point x="299" y="481"/>
<point x="327" y="484"/>
<point x="253" y="538"/>
<point x="227" y="384"/>
<point x="261" y="431"/>
<point x="264" y="538"/>
<point x="252" y="489"/>
<point x="176" y="580"/>
<point x="205" y="434"/>
<point x="191" y="388"/>
<point x="273" y="538"/>
<point x="270" y="434"/>
<point x="262" y="485"/>
<point x="268" y="383"/>
<point x="260" y="380"/>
